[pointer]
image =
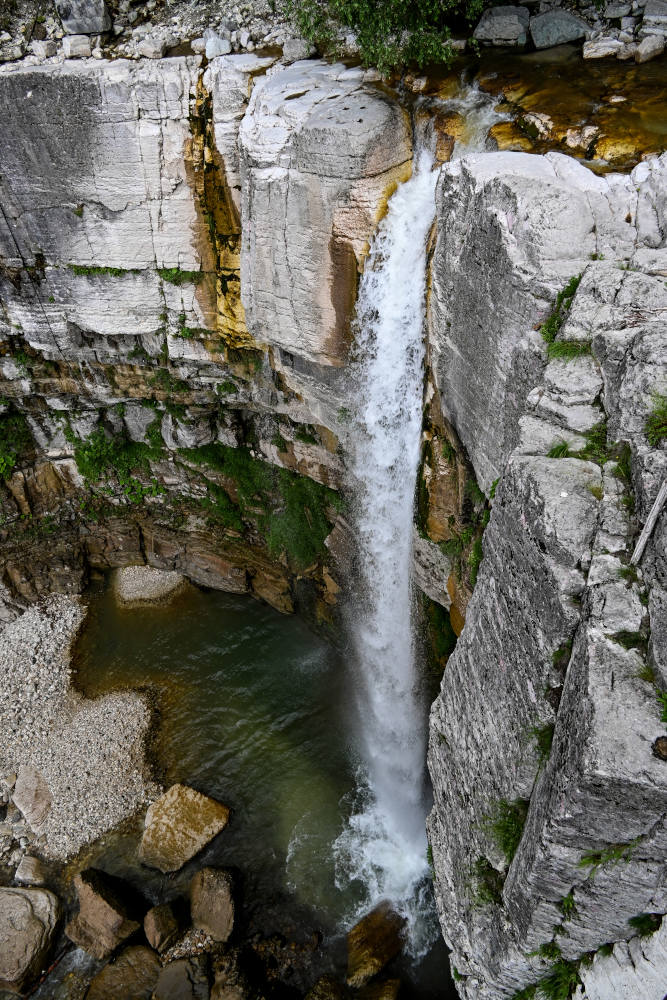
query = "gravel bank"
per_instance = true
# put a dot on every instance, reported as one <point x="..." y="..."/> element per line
<point x="136" y="585"/>
<point x="90" y="753"/>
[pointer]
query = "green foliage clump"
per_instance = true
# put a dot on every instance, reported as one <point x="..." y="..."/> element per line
<point x="561" y="657"/>
<point x="549" y="950"/>
<point x="613" y="854"/>
<point x="279" y="442"/>
<point x="101" y="455"/>
<point x="551" y="326"/>
<point x="448" y="452"/>
<point x="175" y="276"/>
<point x="94" y="269"/>
<point x="560" y="449"/>
<point x="662" y="701"/>
<point x="441" y="635"/>
<point x="567" y="350"/>
<point x="226" y="388"/>
<point x="506" y="825"/>
<point x="568" y="906"/>
<point x="655" y="427"/>
<point x="630" y="640"/>
<point x="221" y="508"/>
<point x="390" y="33"/>
<point x="543" y="736"/>
<point x="646" y="923"/>
<point x="15" y="439"/>
<point x="306" y="435"/>
<point x="560" y="982"/>
<point x="488" y="883"/>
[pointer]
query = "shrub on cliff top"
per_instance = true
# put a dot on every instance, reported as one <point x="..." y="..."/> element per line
<point x="390" y="33"/>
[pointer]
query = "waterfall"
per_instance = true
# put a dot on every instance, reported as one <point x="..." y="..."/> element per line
<point x="384" y="844"/>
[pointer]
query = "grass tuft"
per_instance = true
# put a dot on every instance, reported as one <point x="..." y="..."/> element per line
<point x="506" y="823"/>
<point x="568" y="350"/>
<point x="655" y="427"/>
<point x="646" y="923"/>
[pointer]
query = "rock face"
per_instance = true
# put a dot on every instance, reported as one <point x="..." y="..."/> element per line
<point x="179" y="825"/>
<point x="28" y="922"/>
<point x="212" y="903"/>
<point x="105" y="918"/>
<point x="372" y="943"/>
<point x="634" y="969"/>
<point x="571" y="749"/>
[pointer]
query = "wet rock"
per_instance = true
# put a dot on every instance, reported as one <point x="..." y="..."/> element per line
<point x="372" y="943"/>
<point x="602" y="48"/>
<point x="212" y="902"/>
<point x="179" y="825"/>
<point x="506" y="26"/>
<point x="328" y="988"/>
<point x="555" y="27"/>
<point x="231" y="982"/>
<point x="217" y="46"/>
<point x="76" y="46"/>
<point x="649" y="48"/>
<point x="32" y="796"/>
<point x="28" y="922"/>
<point x="385" y="989"/>
<point x="185" y="979"/>
<point x="106" y="917"/>
<point x="508" y="135"/>
<point x="132" y="976"/>
<point x="161" y="927"/>
<point x="83" y="17"/>
<point x="659" y="748"/>
<point x="30" y="871"/>
<point x="135" y="585"/>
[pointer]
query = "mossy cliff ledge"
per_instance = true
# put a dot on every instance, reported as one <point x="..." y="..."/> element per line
<point x="160" y="420"/>
<point x="548" y="346"/>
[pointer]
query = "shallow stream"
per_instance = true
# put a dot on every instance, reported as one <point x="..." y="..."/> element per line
<point x="254" y="710"/>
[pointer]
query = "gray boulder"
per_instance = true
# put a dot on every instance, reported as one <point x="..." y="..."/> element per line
<point x="655" y="18"/>
<point x="649" y="48"/>
<point x="28" y="921"/>
<point x="217" y="46"/>
<point x="83" y="17"/>
<point x="503" y="26"/>
<point x="555" y="27"/>
<point x="295" y="49"/>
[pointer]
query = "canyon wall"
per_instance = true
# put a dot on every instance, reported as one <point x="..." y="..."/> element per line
<point x="179" y="254"/>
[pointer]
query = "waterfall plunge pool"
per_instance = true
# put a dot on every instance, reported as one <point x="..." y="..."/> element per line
<point x="254" y="708"/>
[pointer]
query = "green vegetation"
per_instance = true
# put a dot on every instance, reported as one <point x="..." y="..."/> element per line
<point x="596" y="491"/>
<point x="551" y="326"/>
<point x="630" y="640"/>
<point x="189" y="332"/>
<point x="646" y="923"/>
<point x="623" y="468"/>
<point x="474" y="560"/>
<point x="506" y="825"/>
<point x="488" y="883"/>
<point x="568" y="906"/>
<point x="567" y="350"/>
<point x="561" y="657"/>
<point x="15" y="439"/>
<point x="78" y="210"/>
<point x="647" y="673"/>
<point x="290" y="510"/>
<point x="114" y="272"/>
<point x="279" y="442"/>
<point x="226" y="388"/>
<point x="655" y="427"/>
<point x="494" y="487"/>
<point x="550" y="951"/>
<point x="448" y="452"/>
<point x="543" y="736"/>
<point x="629" y="574"/>
<point x="390" y="33"/>
<point x="114" y="456"/>
<point x="611" y="855"/>
<point x="473" y="491"/>
<point x="560" y="982"/>
<point x="164" y="380"/>
<point x="442" y="638"/>
<point x="175" y="276"/>
<point x="456" y="975"/>
<point x="560" y="449"/>
<point x="662" y="701"/>
<point x="306" y="435"/>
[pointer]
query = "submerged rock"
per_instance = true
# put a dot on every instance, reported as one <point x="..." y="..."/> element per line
<point x="28" y="921"/>
<point x="372" y="943"/>
<point x="212" y="902"/>
<point x="132" y="976"/>
<point x="105" y="918"/>
<point x="179" y="825"/>
<point x="161" y="927"/>
<point x="185" y="979"/>
<point x="135" y="585"/>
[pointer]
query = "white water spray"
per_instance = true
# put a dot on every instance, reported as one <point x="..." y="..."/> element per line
<point x="384" y="844"/>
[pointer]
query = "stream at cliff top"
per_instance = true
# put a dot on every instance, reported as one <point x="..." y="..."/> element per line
<point x="253" y="711"/>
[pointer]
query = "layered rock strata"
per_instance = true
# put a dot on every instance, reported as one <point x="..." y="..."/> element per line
<point x="548" y="711"/>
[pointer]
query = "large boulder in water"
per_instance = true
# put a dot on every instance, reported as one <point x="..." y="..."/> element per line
<point x="106" y="916"/>
<point x="212" y="902"/>
<point x="133" y="975"/>
<point x="179" y="825"/>
<point x="372" y="943"/>
<point x="28" y="921"/>
<point x="185" y="979"/>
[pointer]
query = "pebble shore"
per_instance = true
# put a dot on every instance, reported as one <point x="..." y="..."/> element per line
<point x="89" y="752"/>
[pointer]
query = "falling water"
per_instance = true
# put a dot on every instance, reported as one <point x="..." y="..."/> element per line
<point x="384" y="843"/>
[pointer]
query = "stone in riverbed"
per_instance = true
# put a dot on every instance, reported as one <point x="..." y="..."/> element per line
<point x="556" y="27"/>
<point x="133" y="975"/>
<point x="372" y="943"/>
<point x="179" y="825"/>
<point x="185" y="979"/>
<point x="649" y="48"/>
<point x="161" y="927"/>
<point x="212" y="903"/>
<point x="30" y="871"/>
<point x="507" y="26"/>
<point x="602" y="48"/>
<point x="105" y="918"/>
<point x="135" y="585"/>
<point x="28" y="921"/>
<point x="32" y="796"/>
